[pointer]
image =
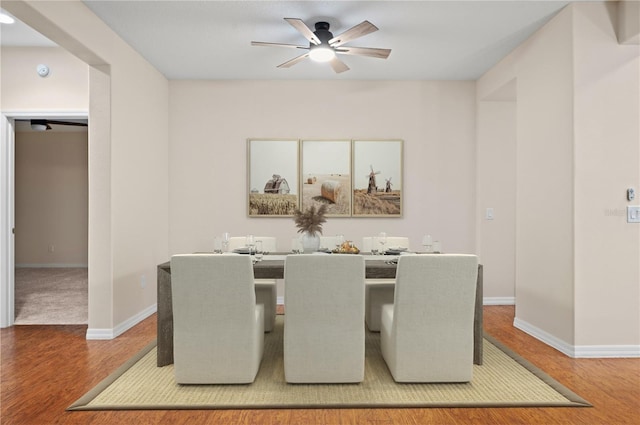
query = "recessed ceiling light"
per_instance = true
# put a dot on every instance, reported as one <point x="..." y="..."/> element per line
<point x="6" y="19"/>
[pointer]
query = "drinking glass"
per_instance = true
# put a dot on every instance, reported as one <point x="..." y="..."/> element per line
<point x="382" y="240"/>
<point x="374" y="246"/>
<point x="295" y="245"/>
<point x="339" y="240"/>
<point x="259" y="251"/>
<point x="225" y="241"/>
<point x="217" y="245"/>
<point x="427" y="242"/>
<point x="251" y="243"/>
<point x="437" y="247"/>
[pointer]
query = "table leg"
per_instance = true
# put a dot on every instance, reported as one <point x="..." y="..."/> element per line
<point x="165" y="319"/>
<point x="478" y="330"/>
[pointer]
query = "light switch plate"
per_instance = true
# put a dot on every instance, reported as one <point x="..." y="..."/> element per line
<point x="633" y="214"/>
<point x="489" y="214"/>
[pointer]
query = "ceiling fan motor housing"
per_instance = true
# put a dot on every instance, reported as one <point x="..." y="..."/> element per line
<point x="323" y="33"/>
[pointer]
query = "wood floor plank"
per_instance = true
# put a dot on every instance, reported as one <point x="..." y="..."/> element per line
<point x="46" y="368"/>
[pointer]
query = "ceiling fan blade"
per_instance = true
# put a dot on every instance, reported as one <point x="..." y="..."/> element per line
<point x="338" y="66"/>
<point x="303" y="29"/>
<point x="352" y="33"/>
<point x="364" y="51"/>
<point x="43" y="121"/>
<point x="80" y="124"/>
<point x="293" y="61"/>
<point x="41" y="124"/>
<point x="262" y="43"/>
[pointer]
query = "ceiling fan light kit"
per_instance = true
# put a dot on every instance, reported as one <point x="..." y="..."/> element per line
<point x="40" y="125"/>
<point x="321" y="54"/>
<point x="6" y="19"/>
<point x="323" y="46"/>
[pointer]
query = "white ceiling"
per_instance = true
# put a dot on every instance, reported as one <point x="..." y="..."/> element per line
<point x="430" y="40"/>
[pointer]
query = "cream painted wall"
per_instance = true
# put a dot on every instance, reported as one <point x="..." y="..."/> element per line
<point x="496" y="189"/>
<point x="542" y="69"/>
<point x="128" y="227"/>
<point x="211" y="120"/>
<point x="607" y="158"/>
<point x="51" y="198"/>
<point x="544" y="197"/>
<point x="577" y="152"/>
<point x="66" y="88"/>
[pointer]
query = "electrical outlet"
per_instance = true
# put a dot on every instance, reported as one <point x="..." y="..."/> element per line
<point x="143" y="281"/>
<point x="52" y="248"/>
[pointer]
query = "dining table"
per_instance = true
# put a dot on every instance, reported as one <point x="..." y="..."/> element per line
<point x="272" y="267"/>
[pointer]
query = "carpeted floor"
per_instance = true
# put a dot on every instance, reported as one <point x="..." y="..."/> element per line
<point x="503" y="380"/>
<point x="51" y="296"/>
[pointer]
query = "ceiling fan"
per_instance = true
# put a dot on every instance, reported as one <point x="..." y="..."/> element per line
<point x="44" y="125"/>
<point x="323" y="46"/>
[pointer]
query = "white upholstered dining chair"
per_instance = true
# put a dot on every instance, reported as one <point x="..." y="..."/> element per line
<point x="427" y="333"/>
<point x="378" y="292"/>
<point x="218" y="326"/>
<point x="324" y="320"/>
<point x="266" y="289"/>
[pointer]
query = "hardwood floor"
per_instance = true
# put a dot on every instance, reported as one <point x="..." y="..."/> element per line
<point x="46" y="368"/>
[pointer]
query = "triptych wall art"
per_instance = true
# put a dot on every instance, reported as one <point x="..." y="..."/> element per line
<point x="353" y="178"/>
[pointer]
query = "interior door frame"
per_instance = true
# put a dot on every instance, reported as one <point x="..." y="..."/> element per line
<point x="7" y="203"/>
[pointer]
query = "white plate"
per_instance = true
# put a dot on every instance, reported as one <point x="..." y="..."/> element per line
<point x="396" y="248"/>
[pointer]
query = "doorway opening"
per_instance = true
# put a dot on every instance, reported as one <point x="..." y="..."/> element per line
<point x="50" y="211"/>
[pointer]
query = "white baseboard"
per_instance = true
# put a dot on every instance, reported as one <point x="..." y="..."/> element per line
<point x="94" y="334"/>
<point x="545" y="337"/>
<point x="499" y="301"/>
<point x="607" y="351"/>
<point x="52" y="266"/>
<point x="98" y="334"/>
<point x="578" y="351"/>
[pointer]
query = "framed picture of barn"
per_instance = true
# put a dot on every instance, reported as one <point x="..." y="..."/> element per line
<point x="377" y="178"/>
<point x="273" y="182"/>
<point x="326" y="176"/>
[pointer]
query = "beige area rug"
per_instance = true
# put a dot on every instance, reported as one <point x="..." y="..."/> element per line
<point x="51" y="296"/>
<point x="504" y="380"/>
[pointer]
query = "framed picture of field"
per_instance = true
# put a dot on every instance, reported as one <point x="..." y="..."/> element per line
<point x="377" y="178"/>
<point x="326" y="176"/>
<point x="273" y="182"/>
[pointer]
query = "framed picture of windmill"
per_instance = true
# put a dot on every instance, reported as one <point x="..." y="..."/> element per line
<point x="377" y="178"/>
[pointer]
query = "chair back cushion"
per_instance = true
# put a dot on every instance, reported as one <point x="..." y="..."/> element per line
<point x="432" y="289"/>
<point x="323" y="284"/>
<point x="220" y="285"/>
